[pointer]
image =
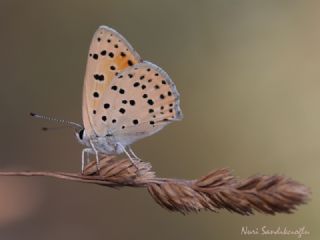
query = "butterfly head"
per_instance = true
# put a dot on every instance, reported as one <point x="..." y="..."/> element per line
<point x="82" y="136"/>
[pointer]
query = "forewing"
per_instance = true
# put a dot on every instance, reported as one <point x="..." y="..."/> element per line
<point x="109" y="54"/>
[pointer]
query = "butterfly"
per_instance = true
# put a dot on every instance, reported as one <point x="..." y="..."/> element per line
<point x="125" y="98"/>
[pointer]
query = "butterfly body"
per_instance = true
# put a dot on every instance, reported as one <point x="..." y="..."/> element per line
<point x="124" y="97"/>
<point x="103" y="145"/>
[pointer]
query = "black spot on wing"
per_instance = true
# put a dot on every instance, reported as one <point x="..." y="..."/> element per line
<point x="135" y="121"/>
<point x="136" y="84"/>
<point x="98" y="77"/>
<point x="132" y="102"/>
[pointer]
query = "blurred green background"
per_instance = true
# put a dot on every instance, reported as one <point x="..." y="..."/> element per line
<point x="249" y="77"/>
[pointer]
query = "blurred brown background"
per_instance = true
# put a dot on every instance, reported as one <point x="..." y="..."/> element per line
<point x="249" y="77"/>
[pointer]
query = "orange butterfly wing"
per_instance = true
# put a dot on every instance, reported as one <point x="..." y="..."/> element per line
<point x="109" y="54"/>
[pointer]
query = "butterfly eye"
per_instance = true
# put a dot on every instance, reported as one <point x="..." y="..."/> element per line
<point x="81" y="132"/>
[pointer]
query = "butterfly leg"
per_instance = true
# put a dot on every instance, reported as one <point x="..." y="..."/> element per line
<point x="133" y="154"/>
<point x="133" y="158"/>
<point x="85" y="158"/>
<point x="97" y="156"/>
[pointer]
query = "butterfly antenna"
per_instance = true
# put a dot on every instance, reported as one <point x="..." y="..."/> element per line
<point x="55" y="128"/>
<point x="73" y="124"/>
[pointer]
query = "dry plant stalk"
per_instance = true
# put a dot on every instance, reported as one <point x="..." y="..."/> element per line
<point x="216" y="190"/>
